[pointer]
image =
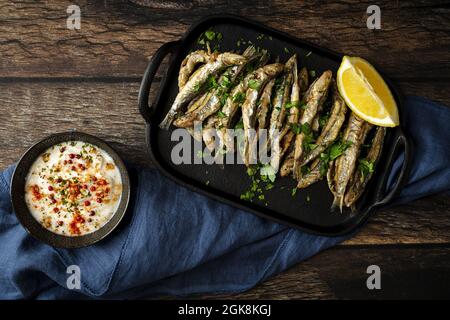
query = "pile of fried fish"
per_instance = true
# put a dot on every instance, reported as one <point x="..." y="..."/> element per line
<point x="310" y="132"/>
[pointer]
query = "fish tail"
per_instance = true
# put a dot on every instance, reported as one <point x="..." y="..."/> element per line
<point x="167" y="121"/>
<point x="337" y="202"/>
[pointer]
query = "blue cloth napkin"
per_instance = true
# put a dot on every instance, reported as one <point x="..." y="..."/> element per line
<point x="176" y="242"/>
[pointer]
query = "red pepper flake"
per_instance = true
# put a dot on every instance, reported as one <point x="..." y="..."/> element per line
<point x="50" y="188"/>
<point x="87" y="203"/>
<point x="93" y="188"/>
<point x="72" y="155"/>
<point x="102" y="182"/>
<point x="74" y="224"/>
<point x="85" y="186"/>
<point x="99" y="200"/>
<point x="53" y="200"/>
<point x="92" y="213"/>
<point x="74" y="168"/>
<point x="94" y="178"/>
<point x="62" y="149"/>
<point x="36" y="192"/>
<point x="59" y="180"/>
<point x="55" y="210"/>
<point x="65" y="162"/>
<point x="70" y="161"/>
<point x="60" y="223"/>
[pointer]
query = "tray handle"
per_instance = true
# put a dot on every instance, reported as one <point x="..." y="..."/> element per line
<point x="401" y="141"/>
<point x="153" y="66"/>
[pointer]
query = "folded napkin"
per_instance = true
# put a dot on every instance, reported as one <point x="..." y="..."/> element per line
<point x="176" y="242"/>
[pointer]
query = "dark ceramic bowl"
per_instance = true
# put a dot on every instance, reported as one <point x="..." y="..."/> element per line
<point x="32" y="225"/>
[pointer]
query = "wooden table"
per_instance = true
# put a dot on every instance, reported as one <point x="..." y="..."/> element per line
<point x="54" y="79"/>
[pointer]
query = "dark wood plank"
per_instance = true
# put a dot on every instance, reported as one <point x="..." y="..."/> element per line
<point x="406" y="273"/>
<point x="117" y="37"/>
<point x="31" y="111"/>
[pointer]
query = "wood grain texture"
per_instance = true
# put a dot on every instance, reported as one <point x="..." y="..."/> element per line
<point x="109" y="110"/>
<point x="117" y="37"/>
<point x="406" y="273"/>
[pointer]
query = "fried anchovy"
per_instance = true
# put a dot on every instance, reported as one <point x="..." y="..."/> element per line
<point x="283" y="96"/>
<point x="278" y="115"/>
<point x="314" y="98"/>
<point x="216" y="97"/>
<point x="303" y="80"/>
<point x="188" y="65"/>
<point x="255" y="85"/>
<point x="276" y="135"/>
<point x="208" y="133"/>
<point x="345" y="165"/>
<point x="192" y="88"/>
<point x="286" y="142"/>
<point x="359" y="180"/>
<point x="288" y="164"/>
<point x="197" y="102"/>
<point x="332" y="127"/>
<point x="264" y="105"/>
<point x="208" y="107"/>
<point x="232" y="104"/>
<point x="262" y="112"/>
<point x="294" y="109"/>
<point x="312" y="176"/>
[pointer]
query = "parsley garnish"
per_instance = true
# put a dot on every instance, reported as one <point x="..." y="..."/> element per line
<point x="366" y="167"/>
<point x="333" y="152"/>
<point x="290" y="104"/>
<point x="221" y="114"/>
<point x="239" y="97"/>
<point x="254" y="84"/>
<point x="239" y="125"/>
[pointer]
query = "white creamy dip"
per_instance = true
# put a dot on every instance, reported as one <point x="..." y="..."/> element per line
<point x="73" y="188"/>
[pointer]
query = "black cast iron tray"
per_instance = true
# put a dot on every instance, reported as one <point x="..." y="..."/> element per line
<point x="308" y="209"/>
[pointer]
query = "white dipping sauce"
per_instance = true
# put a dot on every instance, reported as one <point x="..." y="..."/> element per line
<point x="73" y="188"/>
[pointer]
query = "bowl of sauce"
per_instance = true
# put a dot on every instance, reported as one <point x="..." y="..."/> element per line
<point x="70" y="190"/>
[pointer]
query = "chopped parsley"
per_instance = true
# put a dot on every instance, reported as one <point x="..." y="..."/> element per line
<point x="197" y="87"/>
<point x="259" y="183"/>
<point x="333" y="152"/>
<point x="268" y="172"/>
<point x="239" y="125"/>
<point x="221" y="114"/>
<point x="323" y="120"/>
<point x="365" y="166"/>
<point x="294" y="191"/>
<point x="211" y="83"/>
<point x="296" y="128"/>
<point x="239" y="97"/>
<point x="208" y="36"/>
<point x="292" y="104"/>
<point x="254" y="84"/>
<point x="223" y="100"/>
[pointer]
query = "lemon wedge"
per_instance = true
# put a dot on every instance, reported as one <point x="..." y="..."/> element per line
<point x="366" y="93"/>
